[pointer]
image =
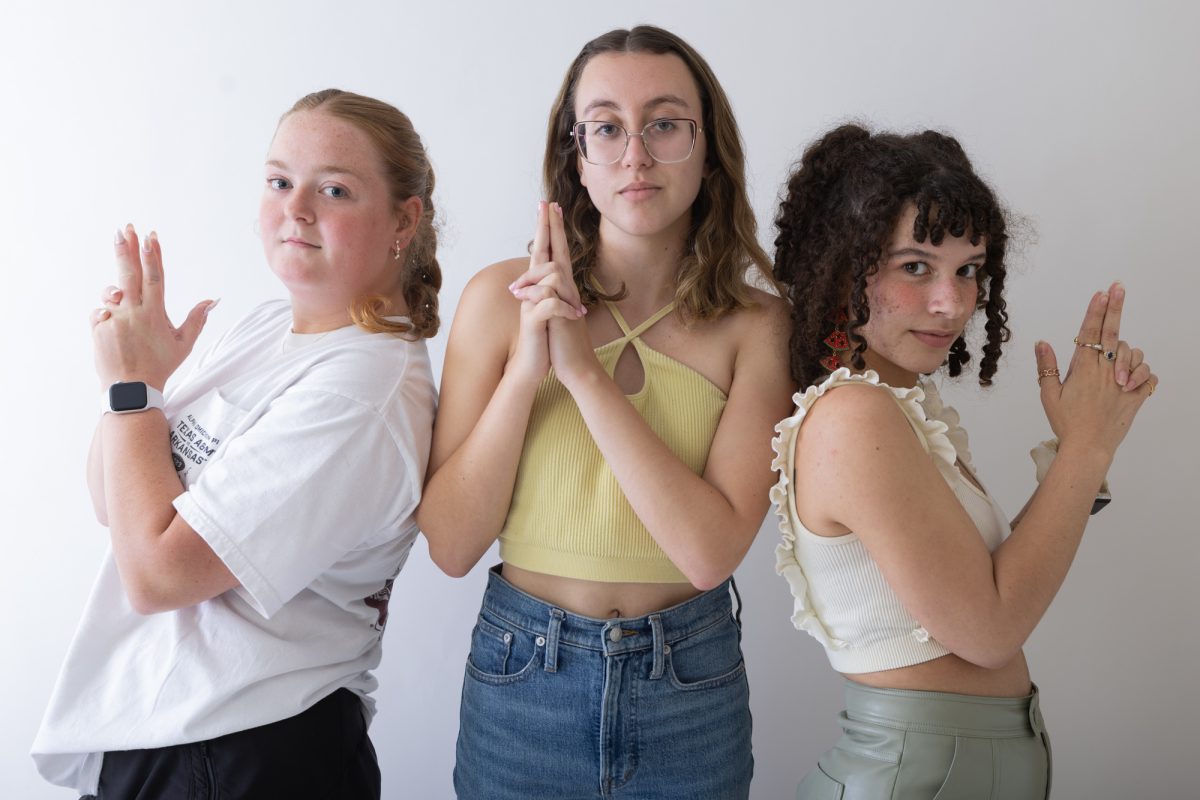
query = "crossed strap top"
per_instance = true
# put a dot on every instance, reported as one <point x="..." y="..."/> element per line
<point x="840" y="595"/>
<point x="569" y="516"/>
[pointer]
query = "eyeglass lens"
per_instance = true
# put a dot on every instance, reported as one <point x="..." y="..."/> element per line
<point x="666" y="140"/>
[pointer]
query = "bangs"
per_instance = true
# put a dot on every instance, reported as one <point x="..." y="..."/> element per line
<point x="958" y="205"/>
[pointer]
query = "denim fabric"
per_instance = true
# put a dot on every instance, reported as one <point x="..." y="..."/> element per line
<point x="909" y="745"/>
<point x="557" y="705"/>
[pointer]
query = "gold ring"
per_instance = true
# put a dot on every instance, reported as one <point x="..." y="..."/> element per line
<point x="1109" y="355"/>
<point x="1153" y="386"/>
<point x="1046" y="373"/>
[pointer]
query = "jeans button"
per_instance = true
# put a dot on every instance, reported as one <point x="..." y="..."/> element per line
<point x="541" y="641"/>
<point x="614" y="635"/>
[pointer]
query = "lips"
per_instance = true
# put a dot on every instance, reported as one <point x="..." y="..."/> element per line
<point x="935" y="338"/>
<point x="639" y="190"/>
<point x="296" y="241"/>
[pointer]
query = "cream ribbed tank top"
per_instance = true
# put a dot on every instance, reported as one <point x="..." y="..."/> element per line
<point x="569" y="516"/>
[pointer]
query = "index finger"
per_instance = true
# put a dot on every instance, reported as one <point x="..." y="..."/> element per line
<point x="1110" y="331"/>
<point x="540" y="252"/>
<point x="129" y="265"/>
<point x="561" y="253"/>
<point x="152" y="272"/>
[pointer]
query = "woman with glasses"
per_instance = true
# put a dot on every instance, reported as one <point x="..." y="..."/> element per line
<point x="901" y="564"/>
<point x="606" y="412"/>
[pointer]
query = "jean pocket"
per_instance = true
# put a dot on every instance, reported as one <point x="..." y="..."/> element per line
<point x="502" y="653"/>
<point x="708" y="659"/>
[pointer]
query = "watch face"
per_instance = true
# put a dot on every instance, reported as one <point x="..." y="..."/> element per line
<point x="129" y="396"/>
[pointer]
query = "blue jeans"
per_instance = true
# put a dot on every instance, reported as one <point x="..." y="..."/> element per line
<point x="557" y="705"/>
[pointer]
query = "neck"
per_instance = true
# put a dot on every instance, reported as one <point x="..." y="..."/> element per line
<point x="889" y="373"/>
<point x="648" y="266"/>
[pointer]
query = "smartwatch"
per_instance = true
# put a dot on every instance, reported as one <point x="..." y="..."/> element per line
<point x="130" y="397"/>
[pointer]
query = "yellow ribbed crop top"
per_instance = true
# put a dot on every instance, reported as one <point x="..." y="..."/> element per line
<point x="569" y="516"/>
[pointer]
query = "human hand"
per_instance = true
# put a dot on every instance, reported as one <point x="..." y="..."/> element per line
<point x="1097" y="402"/>
<point x="132" y="337"/>
<point x="543" y="300"/>
<point x="550" y="259"/>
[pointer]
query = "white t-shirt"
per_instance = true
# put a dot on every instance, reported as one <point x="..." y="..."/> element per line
<point x="302" y="459"/>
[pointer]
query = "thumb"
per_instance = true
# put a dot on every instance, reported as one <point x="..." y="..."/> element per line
<point x="1047" y="365"/>
<point x="189" y="331"/>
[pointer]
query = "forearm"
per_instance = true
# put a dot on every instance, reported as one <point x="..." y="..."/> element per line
<point x="694" y="523"/>
<point x="466" y="498"/>
<point x="140" y="482"/>
<point x="1031" y="565"/>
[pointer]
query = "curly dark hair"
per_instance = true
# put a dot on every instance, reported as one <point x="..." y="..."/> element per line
<point x="842" y="205"/>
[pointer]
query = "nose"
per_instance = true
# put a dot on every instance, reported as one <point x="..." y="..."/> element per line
<point x="636" y="154"/>
<point x="951" y="296"/>
<point x="297" y="205"/>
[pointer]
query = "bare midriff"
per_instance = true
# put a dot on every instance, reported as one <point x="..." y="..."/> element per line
<point x="599" y="599"/>
<point x="954" y="675"/>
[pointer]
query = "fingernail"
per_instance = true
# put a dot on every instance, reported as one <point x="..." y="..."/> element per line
<point x="1122" y="377"/>
<point x="113" y="292"/>
<point x="1039" y="347"/>
<point x="211" y="306"/>
<point x="146" y="243"/>
<point x="1104" y="297"/>
<point x="119" y="239"/>
<point x="558" y="209"/>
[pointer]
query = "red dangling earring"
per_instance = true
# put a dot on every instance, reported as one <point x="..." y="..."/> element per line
<point x="837" y="341"/>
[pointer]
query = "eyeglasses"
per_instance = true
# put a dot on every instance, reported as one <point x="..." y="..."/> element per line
<point x="667" y="141"/>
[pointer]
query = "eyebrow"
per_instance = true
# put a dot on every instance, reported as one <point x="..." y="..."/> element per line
<point x="662" y="99"/>
<point x="919" y="253"/>
<point x="328" y="169"/>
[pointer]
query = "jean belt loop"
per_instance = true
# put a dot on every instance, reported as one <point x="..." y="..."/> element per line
<point x="556" y="618"/>
<point x="658" y="646"/>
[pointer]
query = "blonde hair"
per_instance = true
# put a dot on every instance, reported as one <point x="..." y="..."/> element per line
<point x="722" y="244"/>
<point x="409" y="174"/>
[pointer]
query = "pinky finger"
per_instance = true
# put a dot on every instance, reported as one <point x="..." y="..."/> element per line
<point x="1151" y="384"/>
<point x="99" y="315"/>
<point x="1139" y="375"/>
<point x="552" y="307"/>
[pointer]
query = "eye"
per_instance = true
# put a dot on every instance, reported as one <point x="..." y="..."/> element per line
<point x="277" y="183"/>
<point x="969" y="271"/>
<point x="336" y="192"/>
<point x="662" y="125"/>
<point x="606" y="130"/>
<point x="916" y="268"/>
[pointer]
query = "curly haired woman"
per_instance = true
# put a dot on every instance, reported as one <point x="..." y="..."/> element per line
<point x="901" y="564"/>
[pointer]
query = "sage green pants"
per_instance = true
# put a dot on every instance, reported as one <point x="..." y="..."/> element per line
<point x="906" y="745"/>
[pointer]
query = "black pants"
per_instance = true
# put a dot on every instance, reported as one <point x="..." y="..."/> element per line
<point x="322" y="753"/>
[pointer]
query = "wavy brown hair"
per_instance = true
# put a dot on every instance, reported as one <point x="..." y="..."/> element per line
<point x="409" y="174"/>
<point x="722" y="242"/>
<point x="840" y="211"/>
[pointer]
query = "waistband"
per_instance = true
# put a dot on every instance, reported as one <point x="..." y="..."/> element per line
<point x="612" y="636"/>
<point x="945" y="713"/>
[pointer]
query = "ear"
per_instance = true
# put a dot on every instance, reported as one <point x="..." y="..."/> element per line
<point x="408" y="217"/>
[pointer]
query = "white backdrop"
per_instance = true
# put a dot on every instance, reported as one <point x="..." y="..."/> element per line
<point x="1083" y="115"/>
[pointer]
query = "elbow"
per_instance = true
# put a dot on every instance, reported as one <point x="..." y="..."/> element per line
<point x="450" y="560"/>
<point x="995" y="654"/>
<point x="704" y="577"/>
<point x="144" y="599"/>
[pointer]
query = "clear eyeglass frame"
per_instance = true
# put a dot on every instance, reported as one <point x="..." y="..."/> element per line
<point x="578" y="133"/>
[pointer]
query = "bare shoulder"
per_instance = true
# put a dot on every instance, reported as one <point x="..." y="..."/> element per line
<point x="769" y="316"/>
<point x="492" y="281"/>
<point x="857" y="418"/>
